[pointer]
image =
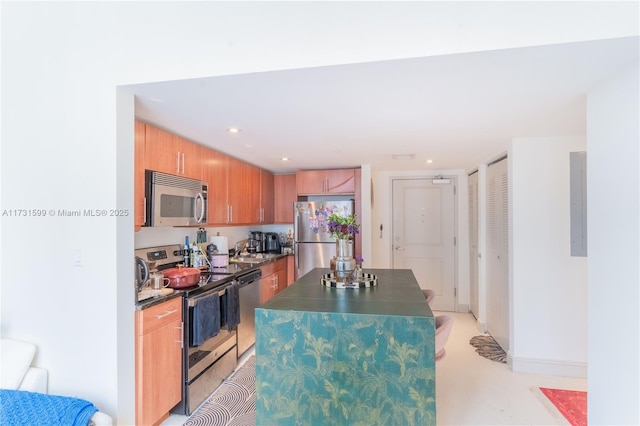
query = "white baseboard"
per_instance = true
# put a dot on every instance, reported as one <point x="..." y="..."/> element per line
<point x="482" y="326"/>
<point x="547" y="367"/>
<point x="463" y="308"/>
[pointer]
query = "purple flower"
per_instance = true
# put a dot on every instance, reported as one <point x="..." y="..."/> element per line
<point x="342" y="226"/>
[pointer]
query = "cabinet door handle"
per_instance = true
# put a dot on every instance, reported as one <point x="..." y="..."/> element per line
<point x="166" y="314"/>
<point x="183" y="163"/>
<point x="178" y="162"/>
<point x="181" y="341"/>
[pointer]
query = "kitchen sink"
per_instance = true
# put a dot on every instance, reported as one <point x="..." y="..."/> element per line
<point x="247" y="260"/>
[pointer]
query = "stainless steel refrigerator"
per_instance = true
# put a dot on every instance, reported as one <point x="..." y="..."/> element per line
<point x="312" y="245"/>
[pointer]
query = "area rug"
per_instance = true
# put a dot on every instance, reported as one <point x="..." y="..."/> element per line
<point x="487" y="347"/>
<point x="233" y="403"/>
<point x="571" y="404"/>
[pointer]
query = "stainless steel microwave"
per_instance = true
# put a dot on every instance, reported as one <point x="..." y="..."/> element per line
<point x="174" y="200"/>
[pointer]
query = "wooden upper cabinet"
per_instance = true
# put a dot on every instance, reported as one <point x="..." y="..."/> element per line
<point x="190" y="155"/>
<point x="315" y="182"/>
<point x="239" y="193"/>
<point x="284" y="197"/>
<point x="340" y="181"/>
<point x="215" y="173"/>
<point x="235" y="189"/>
<point x="172" y="154"/>
<point x="160" y="150"/>
<point x="266" y="212"/>
<point x="244" y="192"/>
<point x="138" y="175"/>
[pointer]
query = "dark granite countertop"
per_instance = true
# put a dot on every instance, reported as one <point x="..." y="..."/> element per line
<point x="397" y="293"/>
<point x="233" y="270"/>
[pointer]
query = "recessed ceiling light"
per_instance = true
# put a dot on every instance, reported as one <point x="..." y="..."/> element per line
<point x="429" y="161"/>
<point x="234" y="130"/>
<point x="285" y="159"/>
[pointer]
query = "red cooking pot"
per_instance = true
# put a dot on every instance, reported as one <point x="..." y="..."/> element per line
<point x="182" y="277"/>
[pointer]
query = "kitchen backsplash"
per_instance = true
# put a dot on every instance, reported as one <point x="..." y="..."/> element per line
<point x="150" y="237"/>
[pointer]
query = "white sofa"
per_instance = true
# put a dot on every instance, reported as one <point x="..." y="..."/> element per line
<point x="16" y="373"/>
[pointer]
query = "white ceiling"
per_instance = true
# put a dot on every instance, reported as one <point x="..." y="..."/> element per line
<point x="458" y="110"/>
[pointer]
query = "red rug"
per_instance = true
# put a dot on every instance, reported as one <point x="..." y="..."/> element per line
<point x="572" y="404"/>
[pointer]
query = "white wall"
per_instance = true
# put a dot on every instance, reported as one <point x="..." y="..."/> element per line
<point x="548" y="286"/>
<point x="614" y="250"/>
<point x="381" y="214"/>
<point x="67" y="134"/>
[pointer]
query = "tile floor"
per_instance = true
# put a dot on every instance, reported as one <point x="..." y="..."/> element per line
<point x="472" y="390"/>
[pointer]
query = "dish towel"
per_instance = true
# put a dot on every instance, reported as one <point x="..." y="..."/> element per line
<point x="23" y="408"/>
<point x="205" y="319"/>
<point x="232" y="306"/>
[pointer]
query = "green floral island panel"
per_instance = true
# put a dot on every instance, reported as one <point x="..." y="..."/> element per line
<point x="343" y="368"/>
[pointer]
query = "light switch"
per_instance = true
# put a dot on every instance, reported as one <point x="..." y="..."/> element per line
<point x="77" y="258"/>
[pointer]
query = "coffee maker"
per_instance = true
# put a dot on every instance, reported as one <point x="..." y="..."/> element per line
<point x="256" y="242"/>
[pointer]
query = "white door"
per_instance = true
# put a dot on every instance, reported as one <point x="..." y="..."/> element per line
<point x="498" y="253"/>
<point x="424" y="235"/>
<point x="473" y="241"/>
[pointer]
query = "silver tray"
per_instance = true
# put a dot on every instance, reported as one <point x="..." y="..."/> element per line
<point x="367" y="280"/>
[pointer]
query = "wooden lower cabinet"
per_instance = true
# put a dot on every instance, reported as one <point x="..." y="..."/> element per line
<point x="291" y="270"/>
<point x="274" y="279"/>
<point x="158" y="361"/>
<point x="267" y="290"/>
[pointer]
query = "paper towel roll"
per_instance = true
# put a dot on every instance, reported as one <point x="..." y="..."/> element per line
<point x="221" y="243"/>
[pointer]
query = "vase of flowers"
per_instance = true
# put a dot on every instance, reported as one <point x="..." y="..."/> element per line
<point x="343" y="228"/>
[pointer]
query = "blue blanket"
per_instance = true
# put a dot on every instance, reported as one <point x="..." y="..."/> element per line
<point x="22" y="408"/>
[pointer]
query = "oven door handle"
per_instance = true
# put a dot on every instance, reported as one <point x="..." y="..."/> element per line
<point x="193" y="301"/>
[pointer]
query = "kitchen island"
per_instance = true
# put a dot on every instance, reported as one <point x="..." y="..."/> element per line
<point x="346" y="356"/>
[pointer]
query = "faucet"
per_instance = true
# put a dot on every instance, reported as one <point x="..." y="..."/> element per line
<point x="244" y="243"/>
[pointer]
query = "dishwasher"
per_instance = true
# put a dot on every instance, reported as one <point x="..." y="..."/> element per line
<point x="249" y="295"/>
